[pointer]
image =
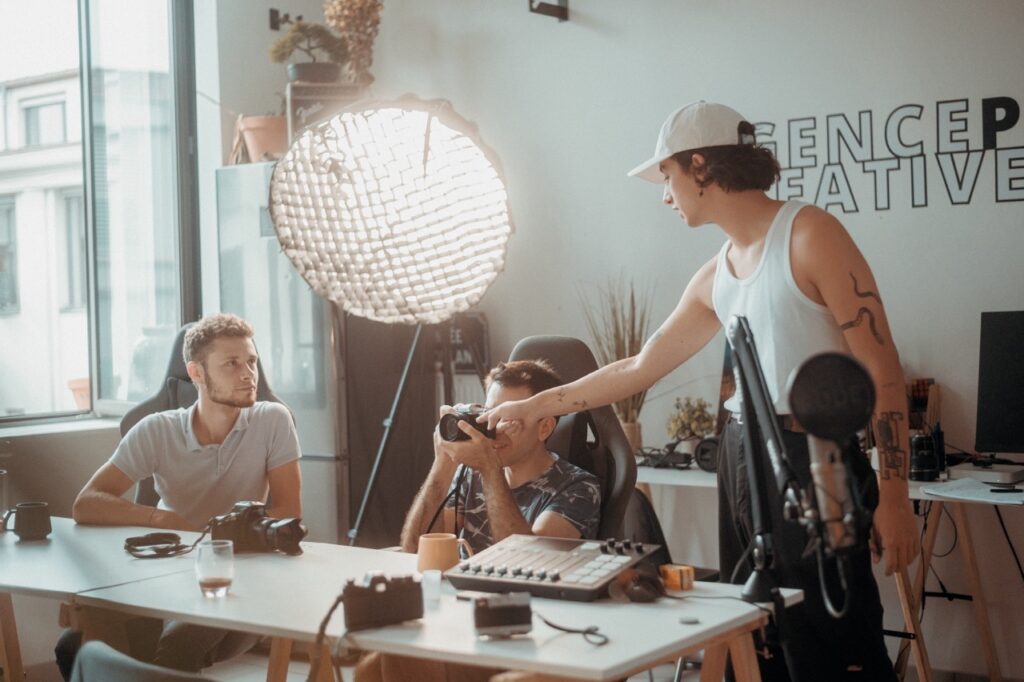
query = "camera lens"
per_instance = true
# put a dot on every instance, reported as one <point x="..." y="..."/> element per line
<point x="449" y="428"/>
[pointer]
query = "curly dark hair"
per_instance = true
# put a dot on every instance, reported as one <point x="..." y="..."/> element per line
<point x="202" y="334"/>
<point x="536" y="375"/>
<point x="734" y="168"/>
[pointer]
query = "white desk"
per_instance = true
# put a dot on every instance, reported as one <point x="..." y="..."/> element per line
<point x="73" y="559"/>
<point x="286" y="597"/>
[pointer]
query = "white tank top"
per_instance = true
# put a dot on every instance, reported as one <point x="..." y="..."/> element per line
<point x="788" y="327"/>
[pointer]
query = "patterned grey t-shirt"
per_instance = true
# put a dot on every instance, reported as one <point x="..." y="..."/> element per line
<point x="563" y="488"/>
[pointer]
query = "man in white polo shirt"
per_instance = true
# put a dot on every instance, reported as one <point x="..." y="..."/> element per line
<point x="225" y="448"/>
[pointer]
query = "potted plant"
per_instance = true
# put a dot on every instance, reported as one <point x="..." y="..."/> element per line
<point x="618" y="325"/>
<point x="691" y="422"/>
<point x="313" y="40"/>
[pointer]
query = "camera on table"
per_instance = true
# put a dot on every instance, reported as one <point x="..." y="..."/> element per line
<point x="449" y="426"/>
<point x="251" y="530"/>
<point x="503" y="615"/>
<point x="379" y="600"/>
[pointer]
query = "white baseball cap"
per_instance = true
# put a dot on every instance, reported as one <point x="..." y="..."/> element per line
<point x="696" y="126"/>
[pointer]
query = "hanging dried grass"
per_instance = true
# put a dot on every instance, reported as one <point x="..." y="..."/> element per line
<point x="358" y="21"/>
<point x="618" y="325"/>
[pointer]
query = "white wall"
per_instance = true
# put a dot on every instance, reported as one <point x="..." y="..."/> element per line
<point x="570" y="107"/>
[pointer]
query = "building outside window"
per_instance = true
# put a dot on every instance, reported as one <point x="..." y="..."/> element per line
<point x="45" y="124"/>
<point x="98" y="302"/>
<point x="8" y="258"/>
<point x="74" y="286"/>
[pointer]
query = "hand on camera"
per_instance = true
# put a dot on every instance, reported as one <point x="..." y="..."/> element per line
<point x="478" y="452"/>
<point x="508" y="417"/>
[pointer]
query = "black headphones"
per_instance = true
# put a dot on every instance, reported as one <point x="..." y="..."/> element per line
<point x="155" y="545"/>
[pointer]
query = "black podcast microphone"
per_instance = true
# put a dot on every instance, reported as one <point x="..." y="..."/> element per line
<point x="832" y="397"/>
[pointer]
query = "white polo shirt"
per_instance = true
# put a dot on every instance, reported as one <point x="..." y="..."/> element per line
<point x="197" y="481"/>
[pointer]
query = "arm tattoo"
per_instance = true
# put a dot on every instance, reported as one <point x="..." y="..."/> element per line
<point x="861" y="314"/>
<point x="864" y="312"/>
<point x="891" y="457"/>
<point x="864" y="294"/>
<point x="561" y="395"/>
<point x="580" y="404"/>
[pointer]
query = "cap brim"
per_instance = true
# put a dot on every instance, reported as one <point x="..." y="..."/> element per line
<point x="649" y="171"/>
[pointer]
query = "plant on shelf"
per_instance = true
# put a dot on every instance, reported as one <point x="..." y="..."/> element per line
<point x="618" y="325"/>
<point x="691" y="421"/>
<point x="313" y="40"/>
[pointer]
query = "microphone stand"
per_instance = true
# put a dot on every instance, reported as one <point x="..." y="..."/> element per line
<point x="762" y="436"/>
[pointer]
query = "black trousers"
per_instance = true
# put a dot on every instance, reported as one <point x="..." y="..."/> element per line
<point x="818" y="646"/>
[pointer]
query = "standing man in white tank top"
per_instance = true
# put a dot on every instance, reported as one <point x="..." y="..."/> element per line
<point x="805" y="288"/>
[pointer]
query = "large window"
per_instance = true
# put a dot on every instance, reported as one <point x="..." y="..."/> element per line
<point x="91" y="170"/>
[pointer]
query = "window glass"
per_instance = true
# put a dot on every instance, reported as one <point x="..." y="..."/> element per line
<point x="45" y="363"/>
<point x="135" y="192"/>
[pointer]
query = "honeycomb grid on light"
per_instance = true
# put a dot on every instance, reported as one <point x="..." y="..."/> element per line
<point x="395" y="212"/>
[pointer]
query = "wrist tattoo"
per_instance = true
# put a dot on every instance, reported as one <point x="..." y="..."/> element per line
<point x="892" y="459"/>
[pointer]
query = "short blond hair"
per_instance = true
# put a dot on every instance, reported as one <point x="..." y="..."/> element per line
<point x="203" y="333"/>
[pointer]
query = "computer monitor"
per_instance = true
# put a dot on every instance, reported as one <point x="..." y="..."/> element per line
<point x="1000" y="424"/>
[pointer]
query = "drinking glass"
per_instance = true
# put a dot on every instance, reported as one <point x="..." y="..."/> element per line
<point x="215" y="567"/>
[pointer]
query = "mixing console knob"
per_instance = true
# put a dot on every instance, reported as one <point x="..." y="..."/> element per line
<point x="516" y="570"/>
<point x="502" y="570"/>
<point x="639" y="548"/>
<point x="542" y="574"/>
<point x="475" y="568"/>
<point x="626" y="544"/>
<point x="488" y="569"/>
<point x="553" y="576"/>
<point x="464" y="566"/>
<point x="527" y="572"/>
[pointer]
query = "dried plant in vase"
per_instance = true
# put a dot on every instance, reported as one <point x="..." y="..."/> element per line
<point x="358" y="22"/>
<point x="691" y="421"/>
<point x="618" y="325"/>
<point x="311" y="40"/>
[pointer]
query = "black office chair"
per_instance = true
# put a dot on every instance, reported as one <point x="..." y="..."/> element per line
<point x="177" y="391"/>
<point x="608" y="455"/>
<point x="98" y="662"/>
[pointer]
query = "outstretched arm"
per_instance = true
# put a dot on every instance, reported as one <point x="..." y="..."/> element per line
<point x="688" y="329"/>
<point x="828" y="264"/>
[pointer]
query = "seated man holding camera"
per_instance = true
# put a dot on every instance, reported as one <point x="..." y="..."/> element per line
<point x="509" y="484"/>
<point x="224" y="449"/>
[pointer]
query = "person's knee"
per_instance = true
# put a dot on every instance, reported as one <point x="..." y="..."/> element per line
<point x="185" y="647"/>
<point x="66" y="649"/>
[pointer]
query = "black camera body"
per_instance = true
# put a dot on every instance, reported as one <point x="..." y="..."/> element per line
<point x="503" y="615"/>
<point x="449" y="426"/>
<point x="251" y="530"/>
<point x="378" y="601"/>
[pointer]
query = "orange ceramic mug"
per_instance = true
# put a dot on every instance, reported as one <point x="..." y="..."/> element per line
<point x="440" y="551"/>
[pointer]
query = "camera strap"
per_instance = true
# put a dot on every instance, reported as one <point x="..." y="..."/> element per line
<point x="159" y="545"/>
